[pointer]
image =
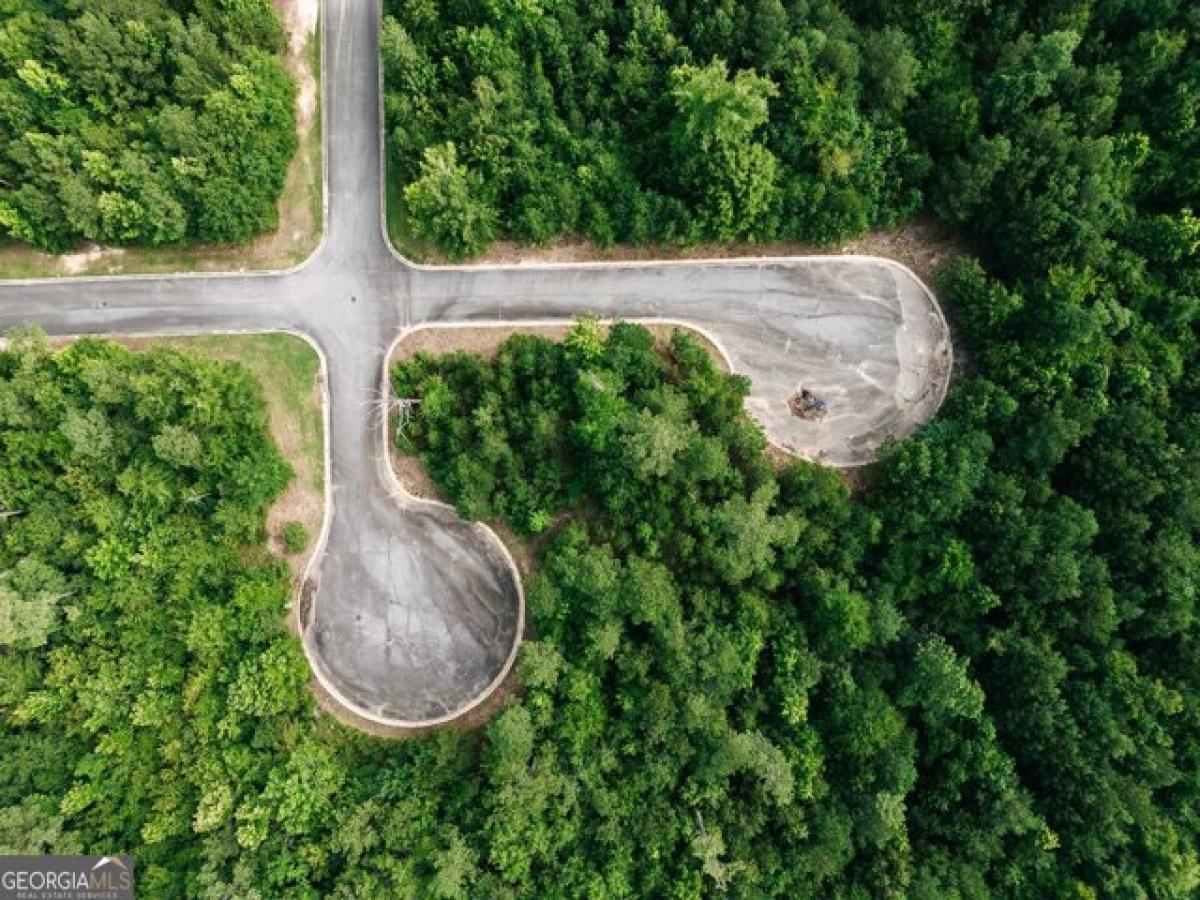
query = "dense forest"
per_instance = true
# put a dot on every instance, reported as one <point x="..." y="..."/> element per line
<point x="741" y="681"/>
<point x="141" y="121"/>
<point x="1034" y="125"/>
<point x="958" y="683"/>
<point x="976" y="677"/>
<point x="990" y="652"/>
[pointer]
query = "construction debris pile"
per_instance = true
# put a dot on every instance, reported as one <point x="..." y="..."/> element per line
<point x="807" y="405"/>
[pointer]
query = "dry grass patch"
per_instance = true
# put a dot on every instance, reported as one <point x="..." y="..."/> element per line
<point x="920" y="244"/>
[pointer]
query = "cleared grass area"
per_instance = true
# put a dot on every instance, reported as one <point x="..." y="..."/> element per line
<point x="400" y="232"/>
<point x="301" y="205"/>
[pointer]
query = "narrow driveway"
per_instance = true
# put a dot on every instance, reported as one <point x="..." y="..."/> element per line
<point x="415" y="614"/>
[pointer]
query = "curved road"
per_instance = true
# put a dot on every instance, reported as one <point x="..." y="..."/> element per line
<point x="411" y="615"/>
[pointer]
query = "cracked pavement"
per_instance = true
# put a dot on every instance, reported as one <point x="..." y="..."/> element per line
<point x="415" y="615"/>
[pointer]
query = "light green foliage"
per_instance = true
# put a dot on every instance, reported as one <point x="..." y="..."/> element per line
<point x="139" y="653"/>
<point x="303" y="789"/>
<point x="34" y="827"/>
<point x="712" y="109"/>
<point x="142" y="122"/>
<point x="447" y="204"/>
<point x="585" y="342"/>
<point x="271" y="683"/>
<point x="729" y="176"/>
<point x="31" y="596"/>
<point x="294" y="536"/>
<point x="709" y="848"/>
<point x="941" y="684"/>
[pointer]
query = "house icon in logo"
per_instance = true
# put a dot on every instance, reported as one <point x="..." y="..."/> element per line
<point x="110" y="860"/>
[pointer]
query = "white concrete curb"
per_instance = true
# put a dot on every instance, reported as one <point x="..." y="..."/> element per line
<point x="404" y="497"/>
<point x="311" y="572"/>
<point x="690" y="326"/>
<point x="383" y="228"/>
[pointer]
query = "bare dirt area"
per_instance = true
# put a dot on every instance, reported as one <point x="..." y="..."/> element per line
<point x="78" y="263"/>
<point x="300" y="18"/>
<point x="411" y="474"/>
<point x="482" y="339"/>
<point x="920" y="244"/>
<point x="301" y="204"/>
<point x="304" y="499"/>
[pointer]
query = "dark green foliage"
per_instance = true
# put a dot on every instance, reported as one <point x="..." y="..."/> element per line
<point x="141" y="121"/>
<point x="996" y="646"/>
<point x="959" y="684"/>
<point x="956" y="686"/>
<point x="976" y="678"/>
<point x="682" y="611"/>
<point x="645" y="121"/>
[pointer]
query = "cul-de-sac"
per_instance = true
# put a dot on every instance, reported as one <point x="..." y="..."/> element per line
<point x="543" y="448"/>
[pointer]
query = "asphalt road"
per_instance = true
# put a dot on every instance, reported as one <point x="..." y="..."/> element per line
<point x="415" y="614"/>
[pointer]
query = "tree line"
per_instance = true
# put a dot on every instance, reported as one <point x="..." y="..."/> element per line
<point x="714" y="120"/>
<point x="974" y="678"/>
<point x="142" y="121"/>
<point x="647" y="121"/>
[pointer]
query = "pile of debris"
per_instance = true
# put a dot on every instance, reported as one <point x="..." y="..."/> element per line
<point x="807" y="405"/>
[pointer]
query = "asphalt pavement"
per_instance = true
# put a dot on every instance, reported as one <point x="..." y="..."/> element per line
<point x="415" y="614"/>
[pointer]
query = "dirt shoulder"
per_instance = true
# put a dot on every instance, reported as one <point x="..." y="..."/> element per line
<point x="920" y="244"/>
<point x="301" y="205"/>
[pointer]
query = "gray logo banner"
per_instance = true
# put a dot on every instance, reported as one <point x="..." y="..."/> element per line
<point x="66" y="878"/>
